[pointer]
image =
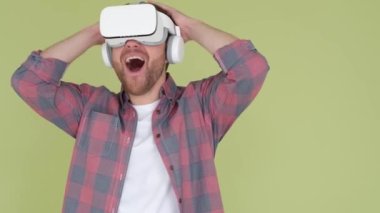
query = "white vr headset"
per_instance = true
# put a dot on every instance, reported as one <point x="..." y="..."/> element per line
<point x="143" y="23"/>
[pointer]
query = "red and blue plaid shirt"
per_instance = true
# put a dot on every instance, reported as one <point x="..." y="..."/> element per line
<point x="188" y="124"/>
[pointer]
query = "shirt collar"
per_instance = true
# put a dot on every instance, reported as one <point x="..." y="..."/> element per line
<point x="168" y="90"/>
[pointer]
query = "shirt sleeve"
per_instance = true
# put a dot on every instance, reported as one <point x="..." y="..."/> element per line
<point x="38" y="82"/>
<point x="228" y="93"/>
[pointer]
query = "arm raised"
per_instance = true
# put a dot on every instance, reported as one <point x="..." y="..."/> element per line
<point x="72" y="47"/>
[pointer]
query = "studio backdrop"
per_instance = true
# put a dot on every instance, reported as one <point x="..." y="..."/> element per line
<point x="309" y="143"/>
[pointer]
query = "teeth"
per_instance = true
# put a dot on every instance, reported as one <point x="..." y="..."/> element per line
<point x="134" y="57"/>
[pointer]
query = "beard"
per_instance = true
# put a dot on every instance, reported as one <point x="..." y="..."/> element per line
<point x="137" y="80"/>
<point x="142" y="84"/>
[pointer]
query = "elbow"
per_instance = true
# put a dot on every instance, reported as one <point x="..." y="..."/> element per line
<point x="266" y="65"/>
<point x="19" y="82"/>
<point x="15" y="82"/>
<point x="261" y="63"/>
<point x="259" y="70"/>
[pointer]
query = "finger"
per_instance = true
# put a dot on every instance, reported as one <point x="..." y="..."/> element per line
<point x="162" y="6"/>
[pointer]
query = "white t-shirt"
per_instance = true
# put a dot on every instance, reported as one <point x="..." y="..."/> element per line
<point x="147" y="187"/>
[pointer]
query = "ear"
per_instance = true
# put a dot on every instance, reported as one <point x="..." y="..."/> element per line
<point x="107" y="55"/>
<point x="175" y="49"/>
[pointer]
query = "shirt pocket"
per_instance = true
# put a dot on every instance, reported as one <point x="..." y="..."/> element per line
<point x="97" y="133"/>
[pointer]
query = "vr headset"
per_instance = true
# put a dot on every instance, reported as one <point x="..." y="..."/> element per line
<point x="143" y="23"/>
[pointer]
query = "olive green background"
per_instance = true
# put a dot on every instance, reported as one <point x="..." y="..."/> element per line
<point x="309" y="143"/>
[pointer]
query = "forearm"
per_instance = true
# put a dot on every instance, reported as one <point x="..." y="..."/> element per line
<point x="207" y="36"/>
<point x="72" y="47"/>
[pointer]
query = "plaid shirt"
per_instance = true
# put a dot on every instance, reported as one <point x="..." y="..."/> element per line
<point x="187" y="125"/>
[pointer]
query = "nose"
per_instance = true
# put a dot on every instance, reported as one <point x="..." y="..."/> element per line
<point x="132" y="44"/>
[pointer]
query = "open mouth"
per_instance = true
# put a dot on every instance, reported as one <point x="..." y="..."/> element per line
<point x="135" y="63"/>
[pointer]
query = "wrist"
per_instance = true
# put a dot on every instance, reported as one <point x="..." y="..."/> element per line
<point x="191" y="29"/>
<point x="93" y="34"/>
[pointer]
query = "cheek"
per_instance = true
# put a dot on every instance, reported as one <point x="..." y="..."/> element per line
<point x="158" y="52"/>
<point x="159" y="57"/>
<point x="158" y="62"/>
<point x="116" y="52"/>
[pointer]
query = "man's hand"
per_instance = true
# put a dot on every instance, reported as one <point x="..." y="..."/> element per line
<point x="191" y="29"/>
<point x="179" y="18"/>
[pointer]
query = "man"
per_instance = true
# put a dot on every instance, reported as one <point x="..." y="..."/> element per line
<point x="151" y="147"/>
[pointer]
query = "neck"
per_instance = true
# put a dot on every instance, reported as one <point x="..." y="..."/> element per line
<point x="152" y="95"/>
<point x="144" y="99"/>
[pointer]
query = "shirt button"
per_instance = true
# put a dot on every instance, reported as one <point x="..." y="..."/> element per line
<point x="127" y="140"/>
<point x="171" y="167"/>
<point x="158" y="111"/>
<point x="180" y="200"/>
<point x="158" y="135"/>
<point x="120" y="176"/>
